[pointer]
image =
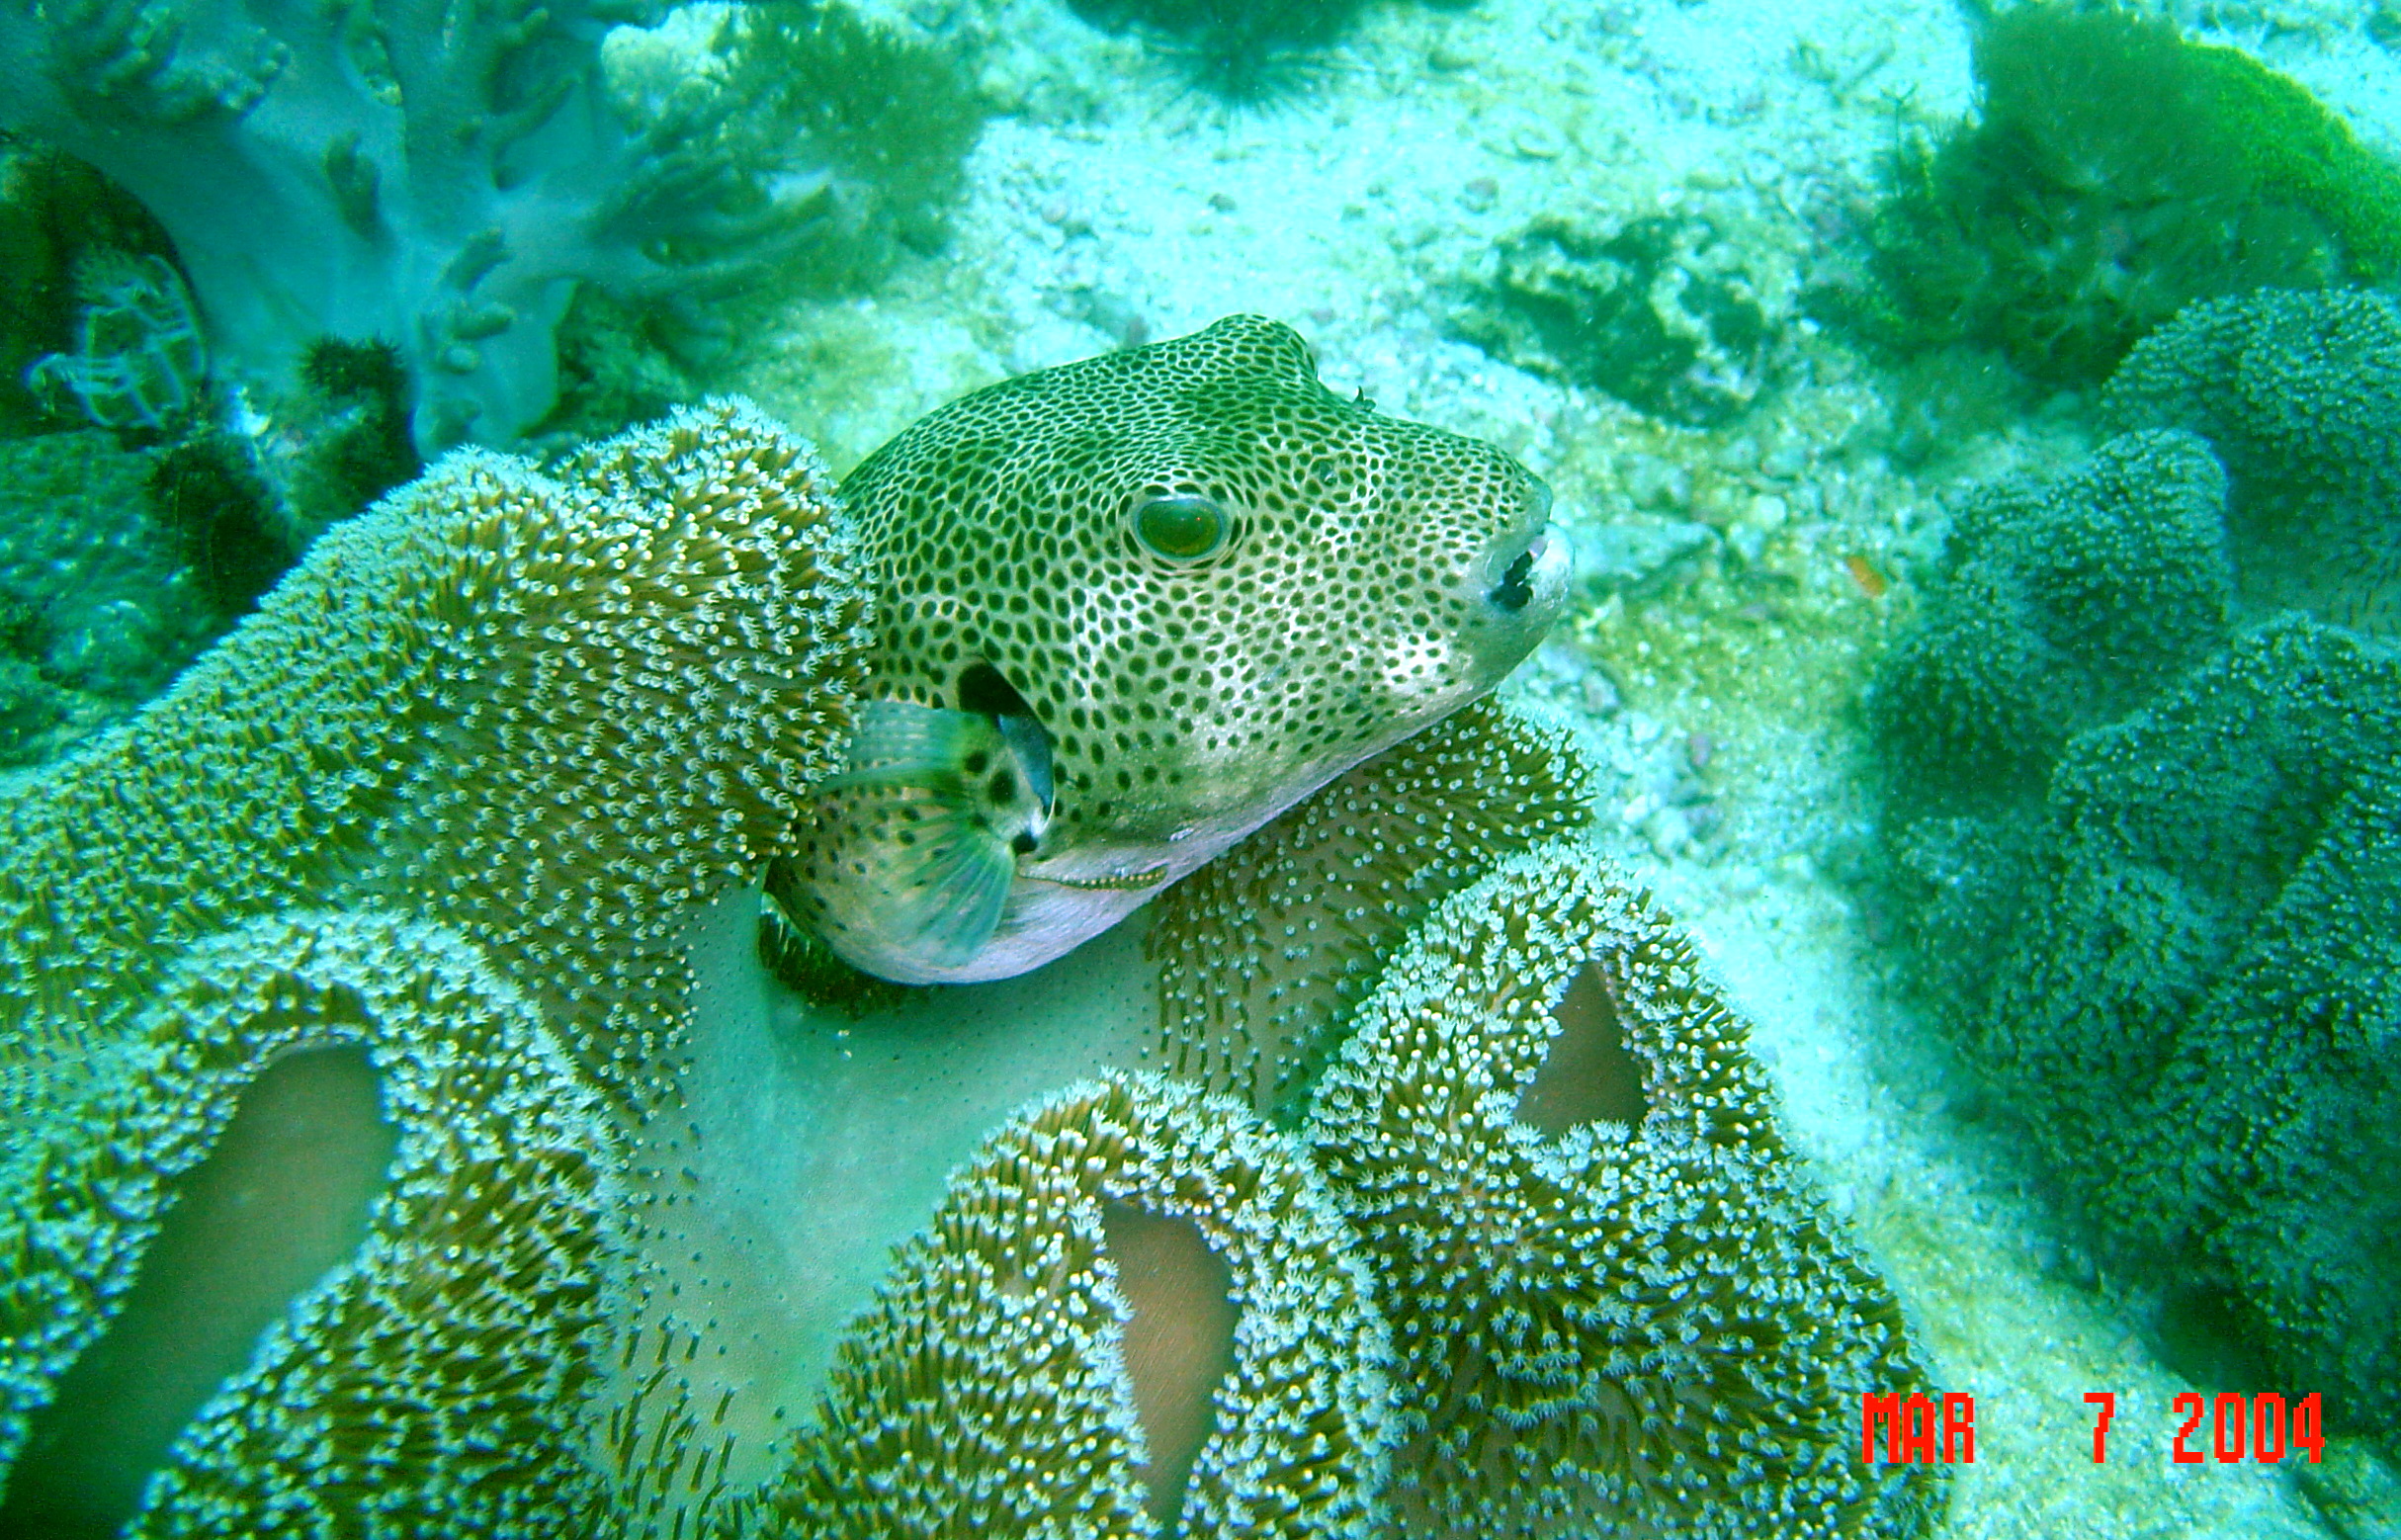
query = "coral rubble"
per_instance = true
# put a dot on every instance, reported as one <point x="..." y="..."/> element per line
<point x="1657" y="314"/>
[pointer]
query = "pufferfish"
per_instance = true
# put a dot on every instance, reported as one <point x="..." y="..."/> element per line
<point x="1128" y="610"/>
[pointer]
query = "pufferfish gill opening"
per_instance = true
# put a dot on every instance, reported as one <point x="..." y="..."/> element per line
<point x="1128" y="610"/>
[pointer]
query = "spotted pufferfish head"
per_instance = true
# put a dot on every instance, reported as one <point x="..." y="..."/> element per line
<point x="1202" y="583"/>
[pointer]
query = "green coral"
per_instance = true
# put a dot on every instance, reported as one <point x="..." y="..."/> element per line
<point x="105" y="606"/>
<point x="1016" y="1322"/>
<point x="453" y="795"/>
<point x="1617" y="1303"/>
<point x="2300" y="394"/>
<point x="477" y="796"/>
<point x="886" y="120"/>
<point x="2057" y="607"/>
<point x="432" y="1383"/>
<point x="1264" y="952"/>
<point x="2059" y="227"/>
<point x="549" y="711"/>
<point x="2200" y="1001"/>
<point x="2142" y="857"/>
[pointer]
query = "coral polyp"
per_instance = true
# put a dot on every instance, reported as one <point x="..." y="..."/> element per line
<point x="1264" y="953"/>
<point x="449" y="798"/>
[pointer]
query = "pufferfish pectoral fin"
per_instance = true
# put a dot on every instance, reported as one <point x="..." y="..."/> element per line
<point x="918" y="838"/>
<point x="895" y="742"/>
<point x="947" y="898"/>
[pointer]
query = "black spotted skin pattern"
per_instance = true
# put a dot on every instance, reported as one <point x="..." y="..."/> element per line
<point x="1344" y="607"/>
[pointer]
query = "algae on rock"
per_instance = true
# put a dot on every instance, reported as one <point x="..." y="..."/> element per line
<point x="2059" y="227"/>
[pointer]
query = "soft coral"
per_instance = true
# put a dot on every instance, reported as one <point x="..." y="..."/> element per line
<point x="435" y="174"/>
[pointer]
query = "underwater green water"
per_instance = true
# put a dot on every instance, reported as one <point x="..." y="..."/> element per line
<point x="1126" y="768"/>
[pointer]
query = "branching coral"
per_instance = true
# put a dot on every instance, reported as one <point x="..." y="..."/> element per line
<point x="556" y="713"/>
<point x="1072" y="1297"/>
<point x="2296" y="391"/>
<point x="1264" y="952"/>
<point x="436" y="178"/>
<point x="1615" y="1302"/>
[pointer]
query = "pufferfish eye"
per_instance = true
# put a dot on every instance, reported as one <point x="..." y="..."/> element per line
<point x="1184" y="527"/>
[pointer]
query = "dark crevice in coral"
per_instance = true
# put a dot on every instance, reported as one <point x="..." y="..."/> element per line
<point x="1590" y="1074"/>
<point x="1179" y="1346"/>
<point x="281" y="1198"/>
<point x="799" y="960"/>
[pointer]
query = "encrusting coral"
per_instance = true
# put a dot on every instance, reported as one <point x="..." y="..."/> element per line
<point x="1140" y="1280"/>
<point x="1615" y="1302"/>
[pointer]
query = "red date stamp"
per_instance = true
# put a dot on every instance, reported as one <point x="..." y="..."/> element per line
<point x="1910" y="1427"/>
<point x="2228" y="1428"/>
<point x="2272" y="1429"/>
